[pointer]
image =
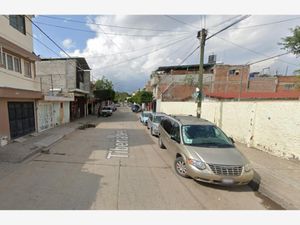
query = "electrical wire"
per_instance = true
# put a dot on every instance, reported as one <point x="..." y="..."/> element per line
<point x="271" y="57"/>
<point x="107" y="33"/>
<point x="107" y="25"/>
<point x="265" y="24"/>
<point x="179" y="21"/>
<point x="253" y="51"/>
<point x="148" y="53"/>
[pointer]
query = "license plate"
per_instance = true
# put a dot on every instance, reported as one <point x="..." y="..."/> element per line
<point x="227" y="181"/>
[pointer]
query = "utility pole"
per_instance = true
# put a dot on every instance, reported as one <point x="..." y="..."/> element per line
<point x="202" y="37"/>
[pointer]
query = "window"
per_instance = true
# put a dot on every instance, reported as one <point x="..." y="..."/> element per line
<point x="289" y="86"/>
<point x="18" y="22"/>
<point x="10" y="64"/>
<point x="3" y="59"/>
<point x="17" y="64"/>
<point x="175" y="132"/>
<point x="205" y="135"/>
<point x="27" y="69"/>
<point x="167" y="125"/>
<point x="233" y="72"/>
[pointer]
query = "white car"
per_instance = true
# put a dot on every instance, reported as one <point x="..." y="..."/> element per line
<point x="106" y="111"/>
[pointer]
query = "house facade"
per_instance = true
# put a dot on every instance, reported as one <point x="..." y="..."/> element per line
<point x="66" y="86"/>
<point x="19" y="87"/>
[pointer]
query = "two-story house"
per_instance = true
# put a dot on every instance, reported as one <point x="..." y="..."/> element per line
<point x="66" y="86"/>
<point x="19" y="87"/>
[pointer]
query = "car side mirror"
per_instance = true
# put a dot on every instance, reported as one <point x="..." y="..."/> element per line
<point x="232" y="140"/>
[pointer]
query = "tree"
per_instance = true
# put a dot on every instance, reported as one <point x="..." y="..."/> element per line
<point x="104" y="90"/>
<point x="141" y="97"/>
<point x="103" y="84"/>
<point x="121" y="96"/>
<point x="292" y="43"/>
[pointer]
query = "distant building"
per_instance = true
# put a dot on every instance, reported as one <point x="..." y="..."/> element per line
<point x="66" y="85"/>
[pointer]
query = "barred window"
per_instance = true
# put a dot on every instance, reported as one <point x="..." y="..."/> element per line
<point x="17" y="64"/>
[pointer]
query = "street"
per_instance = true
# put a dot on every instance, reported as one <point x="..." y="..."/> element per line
<point x="78" y="174"/>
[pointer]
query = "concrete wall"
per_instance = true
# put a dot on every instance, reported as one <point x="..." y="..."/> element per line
<point x="271" y="126"/>
<point x="58" y="70"/>
<point x="13" y="79"/>
<point x="10" y="33"/>
<point x="177" y="108"/>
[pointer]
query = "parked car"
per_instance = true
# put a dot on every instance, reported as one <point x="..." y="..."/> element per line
<point x="106" y="111"/>
<point x="113" y="107"/>
<point x="144" y="117"/>
<point x="153" y="122"/>
<point x="202" y="151"/>
<point x="117" y="104"/>
<point x="136" y="108"/>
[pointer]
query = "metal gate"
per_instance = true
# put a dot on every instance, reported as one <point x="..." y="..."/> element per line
<point x="21" y="118"/>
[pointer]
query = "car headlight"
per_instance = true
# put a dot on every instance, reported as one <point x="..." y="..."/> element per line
<point x="197" y="163"/>
<point x="248" y="167"/>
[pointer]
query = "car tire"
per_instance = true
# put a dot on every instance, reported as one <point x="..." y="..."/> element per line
<point x="180" y="167"/>
<point x="161" y="144"/>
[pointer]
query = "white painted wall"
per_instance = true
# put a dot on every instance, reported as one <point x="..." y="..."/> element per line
<point x="178" y="108"/>
<point x="271" y="126"/>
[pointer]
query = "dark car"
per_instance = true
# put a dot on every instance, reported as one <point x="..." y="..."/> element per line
<point x="135" y="108"/>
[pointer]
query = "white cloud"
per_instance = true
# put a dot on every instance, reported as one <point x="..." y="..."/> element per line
<point x="68" y="43"/>
<point x="100" y="51"/>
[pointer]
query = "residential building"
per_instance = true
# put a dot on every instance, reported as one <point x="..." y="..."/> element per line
<point x="178" y="83"/>
<point x="66" y="85"/>
<point x="19" y="87"/>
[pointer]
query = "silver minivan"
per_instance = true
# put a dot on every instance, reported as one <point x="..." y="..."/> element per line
<point x="202" y="151"/>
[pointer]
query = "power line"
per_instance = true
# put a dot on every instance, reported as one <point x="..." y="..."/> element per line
<point x="266" y="24"/>
<point x="107" y="25"/>
<point x="107" y="33"/>
<point x="189" y="55"/>
<point x="131" y="59"/>
<point x="253" y="51"/>
<point x="179" y="21"/>
<point x="225" y="21"/>
<point x="230" y="25"/>
<point x="262" y="60"/>
<point x="134" y="50"/>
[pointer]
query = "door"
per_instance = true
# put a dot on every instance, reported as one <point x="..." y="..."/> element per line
<point x="21" y="118"/>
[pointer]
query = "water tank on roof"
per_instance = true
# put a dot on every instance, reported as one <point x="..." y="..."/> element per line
<point x="212" y="59"/>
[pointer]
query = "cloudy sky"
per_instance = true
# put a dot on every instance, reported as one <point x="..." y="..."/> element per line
<point x="126" y="49"/>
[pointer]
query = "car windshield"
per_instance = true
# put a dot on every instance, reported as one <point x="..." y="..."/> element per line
<point x="157" y="119"/>
<point x="106" y="108"/>
<point x="145" y="114"/>
<point x="205" y="135"/>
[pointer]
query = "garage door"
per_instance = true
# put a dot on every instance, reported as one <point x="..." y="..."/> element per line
<point x="21" y="118"/>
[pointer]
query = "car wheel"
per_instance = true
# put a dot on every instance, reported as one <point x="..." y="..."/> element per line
<point x="161" y="144"/>
<point x="180" y="167"/>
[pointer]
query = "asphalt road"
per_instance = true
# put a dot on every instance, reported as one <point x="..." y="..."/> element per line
<point x="76" y="174"/>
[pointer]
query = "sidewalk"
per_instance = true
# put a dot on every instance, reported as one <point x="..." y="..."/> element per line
<point x="278" y="179"/>
<point x="16" y="152"/>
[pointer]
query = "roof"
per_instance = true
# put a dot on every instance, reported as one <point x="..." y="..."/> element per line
<point x="191" y="120"/>
<point x="82" y="63"/>
<point x="256" y="95"/>
<point x="183" y="67"/>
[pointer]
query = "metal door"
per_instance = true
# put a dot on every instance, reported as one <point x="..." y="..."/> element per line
<point x="21" y="118"/>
